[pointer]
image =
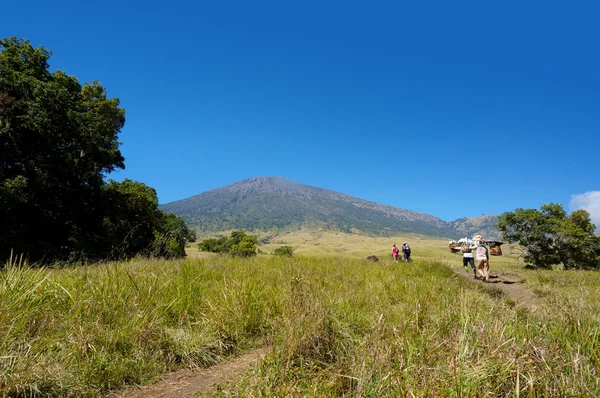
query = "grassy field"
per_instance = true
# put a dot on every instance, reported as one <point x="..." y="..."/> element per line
<point x="331" y="244"/>
<point x="336" y="324"/>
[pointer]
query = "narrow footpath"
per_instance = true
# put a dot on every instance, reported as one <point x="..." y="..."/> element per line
<point x="514" y="290"/>
<point x="191" y="383"/>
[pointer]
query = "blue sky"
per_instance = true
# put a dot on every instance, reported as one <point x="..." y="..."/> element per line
<point x="449" y="108"/>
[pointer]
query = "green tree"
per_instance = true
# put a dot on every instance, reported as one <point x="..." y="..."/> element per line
<point x="213" y="245"/>
<point x="284" y="251"/>
<point x="134" y="224"/>
<point x="550" y="236"/>
<point x="238" y="244"/>
<point x="131" y="219"/>
<point x="245" y="248"/>
<point x="171" y="236"/>
<point x="58" y="140"/>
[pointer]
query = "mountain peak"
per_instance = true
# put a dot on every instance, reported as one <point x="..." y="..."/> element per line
<point x="269" y="184"/>
<point x="273" y="201"/>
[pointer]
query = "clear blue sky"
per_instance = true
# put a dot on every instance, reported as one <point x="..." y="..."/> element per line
<point x="449" y="108"/>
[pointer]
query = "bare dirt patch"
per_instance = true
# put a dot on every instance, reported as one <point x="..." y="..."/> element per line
<point x="189" y="383"/>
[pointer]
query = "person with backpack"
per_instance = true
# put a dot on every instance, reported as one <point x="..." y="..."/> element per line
<point x="483" y="265"/>
<point x="406" y="251"/>
<point x="395" y="252"/>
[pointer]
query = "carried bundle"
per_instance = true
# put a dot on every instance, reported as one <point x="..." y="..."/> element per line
<point x="457" y="246"/>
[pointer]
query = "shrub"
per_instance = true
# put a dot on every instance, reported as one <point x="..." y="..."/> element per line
<point x="284" y="251"/>
<point x="238" y="244"/>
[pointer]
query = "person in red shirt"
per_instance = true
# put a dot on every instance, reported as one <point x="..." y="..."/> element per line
<point x="395" y="252"/>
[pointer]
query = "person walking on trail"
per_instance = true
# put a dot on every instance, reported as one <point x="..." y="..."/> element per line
<point x="406" y="252"/>
<point x="483" y="265"/>
<point x="467" y="250"/>
<point x="395" y="252"/>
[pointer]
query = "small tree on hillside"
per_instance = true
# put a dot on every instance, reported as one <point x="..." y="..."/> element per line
<point x="284" y="251"/>
<point x="213" y="245"/>
<point x="245" y="248"/>
<point x="550" y="236"/>
<point x="238" y="244"/>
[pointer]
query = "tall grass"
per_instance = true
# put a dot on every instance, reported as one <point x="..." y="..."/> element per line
<point x="78" y="332"/>
<point x="352" y="329"/>
<point x="337" y="327"/>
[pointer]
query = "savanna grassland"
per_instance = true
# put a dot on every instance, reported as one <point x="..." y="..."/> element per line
<point x="333" y="324"/>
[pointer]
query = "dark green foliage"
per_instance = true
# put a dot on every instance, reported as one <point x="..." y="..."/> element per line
<point x="134" y="224"/>
<point x="58" y="140"/>
<point x="244" y="248"/>
<point x="132" y="218"/>
<point x="284" y="251"/>
<point x="551" y="237"/>
<point x="214" y="245"/>
<point x="171" y="236"/>
<point x="238" y="244"/>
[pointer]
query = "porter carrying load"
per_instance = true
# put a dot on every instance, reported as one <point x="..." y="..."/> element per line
<point x="494" y="245"/>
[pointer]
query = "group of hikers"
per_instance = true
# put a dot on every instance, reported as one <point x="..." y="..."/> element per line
<point x="482" y="270"/>
<point x="405" y="252"/>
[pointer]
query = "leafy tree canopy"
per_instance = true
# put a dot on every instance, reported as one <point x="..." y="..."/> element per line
<point x="238" y="244"/>
<point x="58" y="140"/>
<point x="550" y="236"/>
<point x="284" y="251"/>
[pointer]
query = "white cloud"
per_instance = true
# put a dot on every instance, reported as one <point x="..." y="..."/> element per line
<point x="589" y="201"/>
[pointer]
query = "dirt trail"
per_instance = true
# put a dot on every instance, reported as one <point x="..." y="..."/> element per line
<point x="515" y="290"/>
<point x="190" y="383"/>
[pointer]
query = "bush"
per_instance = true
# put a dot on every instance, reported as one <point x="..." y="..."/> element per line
<point x="245" y="248"/>
<point x="238" y="244"/>
<point x="213" y="245"/>
<point x="284" y="251"/>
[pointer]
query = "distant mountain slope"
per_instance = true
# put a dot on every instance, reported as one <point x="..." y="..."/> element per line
<point x="484" y="225"/>
<point x="267" y="202"/>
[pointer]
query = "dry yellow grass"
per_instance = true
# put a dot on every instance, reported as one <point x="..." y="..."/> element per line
<point x="315" y="243"/>
<point x="328" y="243"/>
<point x="337" y="325"/>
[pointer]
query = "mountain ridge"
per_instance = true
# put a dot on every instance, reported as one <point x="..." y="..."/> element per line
<point x="268" y="202"/>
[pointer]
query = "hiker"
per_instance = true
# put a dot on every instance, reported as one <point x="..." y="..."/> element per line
<point x="483" y="265"/>
<point x="406" y="251"/>
<point x="467" y="250"/>
<point x="395" y="252"/>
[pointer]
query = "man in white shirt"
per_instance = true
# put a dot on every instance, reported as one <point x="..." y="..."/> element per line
<point x="468" y="259"/>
